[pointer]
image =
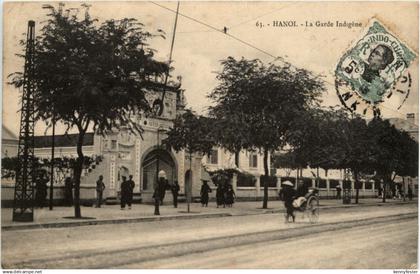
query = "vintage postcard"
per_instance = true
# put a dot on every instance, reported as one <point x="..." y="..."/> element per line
<point x="210" y="135"/>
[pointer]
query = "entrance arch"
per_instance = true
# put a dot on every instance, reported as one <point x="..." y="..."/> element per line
<point x="157" y="161"/>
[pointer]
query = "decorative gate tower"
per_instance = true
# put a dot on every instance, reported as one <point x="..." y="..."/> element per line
<point x="23" y="207"/>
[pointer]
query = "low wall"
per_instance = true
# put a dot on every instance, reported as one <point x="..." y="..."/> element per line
<point x="87" y="195"/>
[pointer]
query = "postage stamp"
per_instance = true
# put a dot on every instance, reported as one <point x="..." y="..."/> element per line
<point x="374" y="67"/>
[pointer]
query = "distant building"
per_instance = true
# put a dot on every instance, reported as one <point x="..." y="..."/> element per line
<point x="409" y="125"/>
<point x="9" y="143"/>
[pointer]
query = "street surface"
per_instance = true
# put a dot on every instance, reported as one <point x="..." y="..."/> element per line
<point x="361" y="237"/>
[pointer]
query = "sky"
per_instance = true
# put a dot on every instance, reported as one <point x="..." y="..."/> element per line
<point x="199" y="48"/>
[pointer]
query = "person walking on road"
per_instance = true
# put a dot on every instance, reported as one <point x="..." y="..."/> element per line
<point x="288" y="194"/>
<point x="100" y="187"/>
<point x="125" y="193"/>
<point x="410" y="193"/>
<point x="175" y="190"/>
<point x="132" y="185"/>
<point x="338" y="189"/>
<point x="220" y="195"/>
<point x="204" y="193"/>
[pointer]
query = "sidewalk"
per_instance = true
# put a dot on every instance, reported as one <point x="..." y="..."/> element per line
<point x="108" y="214"/>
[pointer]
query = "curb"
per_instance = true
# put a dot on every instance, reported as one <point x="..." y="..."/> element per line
<point x="113" y="221"/>
<point x="324" y="207"/>
<point x="174" y="217"/>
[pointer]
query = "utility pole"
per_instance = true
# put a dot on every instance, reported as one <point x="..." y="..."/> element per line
<point x="169" y="63"/>
<point x="157" y="189"/>
<point x="52" y="164"/>
<point x="23" y="203"/>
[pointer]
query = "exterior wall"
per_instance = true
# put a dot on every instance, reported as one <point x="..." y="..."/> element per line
<point x="9" y="148"/>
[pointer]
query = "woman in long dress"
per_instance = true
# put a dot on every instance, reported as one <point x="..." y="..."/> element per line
<point x="220" y="195"/>
<point x="204" y="193"/>
<point x="230" y="196"/>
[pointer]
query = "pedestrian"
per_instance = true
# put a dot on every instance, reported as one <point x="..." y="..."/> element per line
<point x="393" y="190"/>
<point x="125" y="193"/>
<point x="156" y="197"/>
<point x="175" y="190"/>
<point x="380" y="190"/>
<point x="100" y="187"/>
<point x="68" y="191"/>
<point x="220" y="195"/>
<point x="230" y="196"/>
<point x="410" y="193"/>
<point x="163" y="186"/>
<point x="204" y="193"/>
<point x="288" y="194"/>
<point x="41" y="188"/>
<point x="338" y="190"/>
<point x="132" y="185"/>
<point x="399" y="191"/>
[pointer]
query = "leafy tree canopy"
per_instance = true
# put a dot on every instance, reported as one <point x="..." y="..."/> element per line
<point x="192" y="133"/>
<point x="92" y="74"/>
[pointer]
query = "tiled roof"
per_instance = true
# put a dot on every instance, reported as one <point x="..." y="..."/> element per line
<point x="404" y="124"/>
<point x="69" y="140"/>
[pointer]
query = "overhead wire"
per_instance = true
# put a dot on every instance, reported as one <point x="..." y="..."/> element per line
<point x="276" y="58"/>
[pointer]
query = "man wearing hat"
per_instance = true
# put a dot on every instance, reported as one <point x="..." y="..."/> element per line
<point x="204" y="193"/>
<point x="125" y="193"/>
<point x="162" y="185"/>
<point x="288" y="194"/>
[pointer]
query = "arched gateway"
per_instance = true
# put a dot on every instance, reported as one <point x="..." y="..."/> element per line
<point x="155" y="161"/>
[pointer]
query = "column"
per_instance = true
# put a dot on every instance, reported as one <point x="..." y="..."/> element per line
<point x="181" y="171"/>
<point x="112" y="168"/>
<point x="137" y="162"/>
<point x="258" y="187"/>
<point x="278" y="183"/>
<point x="234" y="182"/>
<point x="328" y="186"/>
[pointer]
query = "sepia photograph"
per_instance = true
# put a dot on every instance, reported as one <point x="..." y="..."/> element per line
<point x="222" y="135"/>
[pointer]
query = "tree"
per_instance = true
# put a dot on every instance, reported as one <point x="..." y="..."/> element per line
<point x="360" y="150"/>
<point x="392" y="152"/>
<point x="264" y="101"/>
<point x="92" y="76"/>
<point x="317" y="139"/>
<point x="191" y="133"/>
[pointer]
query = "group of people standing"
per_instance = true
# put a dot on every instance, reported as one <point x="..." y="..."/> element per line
<point x="225" y="195"/>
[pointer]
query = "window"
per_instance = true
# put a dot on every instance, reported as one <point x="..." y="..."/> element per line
<point x="213" y="158"/>
<point x="322" y="183"/>
<point x="253" y="160"/>
<point x="246" y="180"/>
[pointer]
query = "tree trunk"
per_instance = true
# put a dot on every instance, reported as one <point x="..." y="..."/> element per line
<point x="77" y="174"/>
<point x="237" y="159"/>
<point x="403" y="188"/>
<point x="265" y="199"/>
<point x="385" y="179"/>
<point x="189" y="188"/>
<point x="356" y="185"/>
<point x="317" y="178"/>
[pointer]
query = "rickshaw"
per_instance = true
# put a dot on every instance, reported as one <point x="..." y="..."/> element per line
<point x="308" y="205"/>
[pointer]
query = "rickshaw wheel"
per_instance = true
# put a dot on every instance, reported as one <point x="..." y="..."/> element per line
<point x="312" y="209"/>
